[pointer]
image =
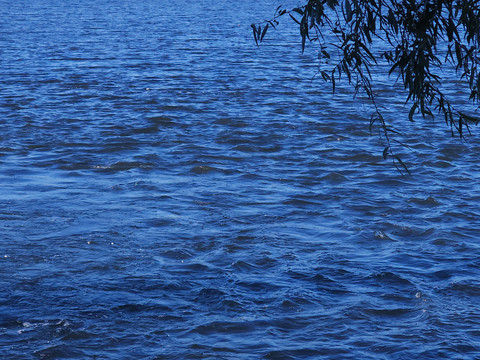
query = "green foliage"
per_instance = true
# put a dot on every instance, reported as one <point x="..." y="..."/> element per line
<point x="419" y="40"/>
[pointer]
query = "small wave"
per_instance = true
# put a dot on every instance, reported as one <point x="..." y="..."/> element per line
<point x="391" y="278"/>
<point x="176" y="254"/>
<point x="161" y="120"/>
<point x="429" y="201"/>
<point x="204" y="169"/>
<point x="389" y="312"/>
<point x="224" y="327"/>
<point x="125" y="165"/>
<point x="306" y="353"/>
<point x="140" y="308"/>
<point x="61" y="351"/>
<point x="240" y="265"/>
<point x="334" y="177"/>
<point x="464" y="288"/>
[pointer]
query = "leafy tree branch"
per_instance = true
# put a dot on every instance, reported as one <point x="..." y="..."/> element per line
<point x="418" y="40"/>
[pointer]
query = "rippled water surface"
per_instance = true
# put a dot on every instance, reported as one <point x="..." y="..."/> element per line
<point x="171" y="191"/>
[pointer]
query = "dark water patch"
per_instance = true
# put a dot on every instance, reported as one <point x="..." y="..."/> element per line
<point x="58" y="351"/>
<point x="141" y="308"/>
<point x="306" y="353"/>
<point x="204" y="169"/>
<point x="224" y="327"/>
<point x="463" y="288"/>
<point x="429" y="201"/>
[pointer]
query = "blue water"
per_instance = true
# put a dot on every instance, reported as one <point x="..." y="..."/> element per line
<point x="171" y="191"/>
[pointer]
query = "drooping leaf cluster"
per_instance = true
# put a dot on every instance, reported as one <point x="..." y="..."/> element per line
<point x="418" y="40"/>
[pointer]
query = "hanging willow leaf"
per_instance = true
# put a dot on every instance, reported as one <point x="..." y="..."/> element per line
<point x="385" y="152"/>
<point x="348" y="11"/>
<point x="412" y="111"/>
<point x="397" y="158"/>
<point x="333" y="81"/>
<point x="255" y="33"/>
<point x="264" y="32"/>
